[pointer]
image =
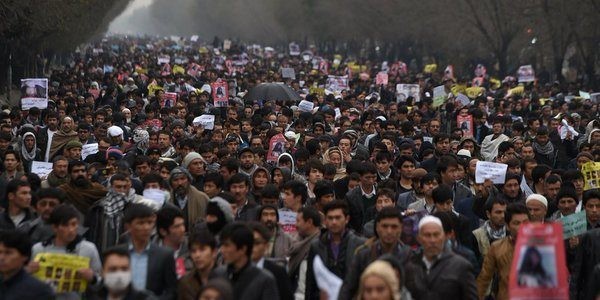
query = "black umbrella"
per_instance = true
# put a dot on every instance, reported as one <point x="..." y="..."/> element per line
<point x="272" y="91"/>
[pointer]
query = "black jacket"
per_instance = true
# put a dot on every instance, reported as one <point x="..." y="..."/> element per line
<point x="339" y="266"/>
<point x="358" y="209"/>
<point x="24" y="286"/>
<point x="132" y="294"/>
<point x="284" y="286"/>
<point x="250" y="283"/>
<point x="450" y="277"/>
<point x="587" y="257"/>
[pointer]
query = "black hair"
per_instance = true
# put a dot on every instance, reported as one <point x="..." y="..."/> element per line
<point x="62" y="214"/>
<point x="202" y="237"/>
<point x="445" y="162"/>
<point x="442" y="193"/>
<point x="552" y="179"/>
<point x="539" y="172"/>
<point x="265" y="207"/>
<point x="13" y="152"/>
<point x="311" y="213"/>
<point x="152" y="178"/>
<point x="231" y="164"/>
<point x="50" y="192"/>
<point x="14" y="185"/>
<point x="567" y="191"/>
<point x="336" y="204"/>
<point x="117" y="251"/>
<point x="390" y="212"/>
<point x="166" y="216"/>
<point x="137" y="211"/>
<point x="448" y="219"/>
<point x="515" y="209"/>
<point x="386" y="192"/>
<point x="440" y="136"/>
<point x="215" y="178"/>
<point x="76" y="163"/>
<point x="240" y="235"/>
<point x="270" y="191"/>
<point x="297" y="188"/>
<point x="16" y="240"/>
<point x="384" y="155"/>
<point x="589" y="195"/>
<point x="367" y="168"/>
<point x="119" y="177"/>
<point x="264" y="232"/>
<point x="429" y="177"/>
<point x="314" y="164"/>
<point x="489" y="205"/>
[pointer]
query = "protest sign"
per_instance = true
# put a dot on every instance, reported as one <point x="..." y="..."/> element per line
<point x="34" y="93"/>
<point x="169" y="100"/>
<point x="595" y="97"/>
<point x="60" y="271"/>
<point x="326" y="280"/>
<point x="164" y="59"/>
<point x="463" y="99"/>
<point x="490" y="170"/>
<point x="206" y="121"/>
<point x="337" y="83"/>
<point x="288" y="73"/>
<point x="403" y="91"/>
<point x="591" y="175"/>
<point x="220" y="93"/>
<point x="574" y="224"/>
<point x="108" y="69"/>
<point x="539" y="269"/>
<point x="526" y="73"/>
<point x="381" y="78"/>
<point x="465" y="123"/>
<point x="194" y="38"/>
<point x="287" y="220"/>
<point x="41" y="168"/>
<point x="584" y="95"/>
<point x="294" y="49"/>
<point x="480" y="70"/>
<point x="88" y="149"/>
<point x="226" y="45"/>
<point x="154" y="124"/>
<point x="306" y="106"/>
<point x="276" y="147"/>
<point x="439" y="96"/>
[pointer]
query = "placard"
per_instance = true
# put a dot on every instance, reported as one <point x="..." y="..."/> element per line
<point x="526" y="73"/>
<point x="574" y="224"/>
<point x="539" y="269"/>
<point x="194" y="38"/>
<point x="89" y="149"/>
<point x="288" y="73"/>
<point x="34" y="93"/>
<point x="60" y="271"/>
<point x="206" y="121"/>
<point x="381" y="78"/>
<point x="306" y="106"/>
<point x="169" y="100"/>
<point x="164" y="59"/>
<point x="465" y="123"/>
<point x="41" y="168"/>
<point x="220" y="93"/>
<point x="287" y="220"/>
<point x="490" y="170"/>
<point x="463" y="99"/>
<point x="337" y="83"/>
<point x="591" y="175"/>
<point x="294" y="49"/>
<point x="403" y="91"/>
<point x="226" y="45"/>
<point x="439" y="96"/>
<point x="276" y="147"/>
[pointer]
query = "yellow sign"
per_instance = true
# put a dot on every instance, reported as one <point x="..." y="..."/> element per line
<point x="60" y="271"/>
<point x="178" y="69"/>
<point x="591" y="175"/>
<point x="431" y="68"/>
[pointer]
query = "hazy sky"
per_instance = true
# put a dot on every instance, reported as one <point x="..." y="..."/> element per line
<point x="121" y="24"/>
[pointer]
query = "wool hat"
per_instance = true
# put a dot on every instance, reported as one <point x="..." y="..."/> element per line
<point x="73" y="144"/>
<point x="114" y="152"/>
<point x="187" y="160"/>
<point x="178" y="172"/>
<point x="537" y="197"/>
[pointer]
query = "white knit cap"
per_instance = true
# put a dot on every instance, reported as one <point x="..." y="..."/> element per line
<point x="537" y="197"/>
<point x="430" y="220"/>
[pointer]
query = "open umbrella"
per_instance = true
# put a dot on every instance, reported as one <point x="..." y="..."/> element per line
<point x="271" y="91"/>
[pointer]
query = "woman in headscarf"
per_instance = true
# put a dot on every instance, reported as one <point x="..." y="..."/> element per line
<point x="335" y="156"/>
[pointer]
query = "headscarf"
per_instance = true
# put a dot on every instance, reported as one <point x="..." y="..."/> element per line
<point x="61" y="138"/>
<point x="29" y="156"/>
<point x="340" y="170"/>
<point x="141" y="138"/>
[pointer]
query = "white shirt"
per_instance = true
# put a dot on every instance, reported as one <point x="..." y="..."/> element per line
<point x="49" y="144"/>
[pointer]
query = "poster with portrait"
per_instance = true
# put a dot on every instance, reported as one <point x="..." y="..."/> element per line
<point x="34" y="93"/>
<point x="465" y="123"/>
<point x="526" y="74"/>
<point x="294" y="49"/>
<point x="276" y="147"/>
<point x="60" y="271"/>
<point x="337" y="83"/>
<point x="539" y="269"/>
<point x="403" y="91"/>
<point x="591" y="175"/>
<point x="220" y="93"/>
<point x="169" y="100"/>
<point x="381" y="78"/>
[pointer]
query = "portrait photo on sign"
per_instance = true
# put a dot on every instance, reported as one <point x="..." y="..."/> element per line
<point x="537" y="267"/>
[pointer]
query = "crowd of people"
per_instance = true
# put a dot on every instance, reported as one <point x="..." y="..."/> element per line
<point x="375" y="190"/>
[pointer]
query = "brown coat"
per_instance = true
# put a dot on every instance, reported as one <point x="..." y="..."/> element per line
<point x="498" y="260"/>
<point x="197" y="202"/>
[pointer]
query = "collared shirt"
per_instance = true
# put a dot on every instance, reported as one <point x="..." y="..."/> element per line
<point x="139" y="267"/>
<point x="369" y="195"/>
<point x="261" y="263"/>
<point x="429" y="264"/>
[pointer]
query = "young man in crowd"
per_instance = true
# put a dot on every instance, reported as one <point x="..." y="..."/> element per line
<point x="203" y="253"/>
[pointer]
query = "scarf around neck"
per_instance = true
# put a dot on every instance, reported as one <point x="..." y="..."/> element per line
<point x="494" y="235"/>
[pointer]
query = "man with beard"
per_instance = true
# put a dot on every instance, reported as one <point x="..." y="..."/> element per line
<point x="490" y="144"/>
<point x="80" y="191"/>
<point x="280" y="242"/>
<point x="62" y="137"/>
<point x="29" y="150"/>
<point x="105" y="217"/>
<point x="185" y="196"/>
<point x="247" y="165"/>
<point x="246" y="208"/>
<point x="100" y="156"/>
<point x="46" y="134"/>
<point x="196" y="165"/>
<point x="115" y="134"/>
<point x="59" y="174"/>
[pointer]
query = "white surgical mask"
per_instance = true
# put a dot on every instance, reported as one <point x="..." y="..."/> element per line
<point x="117" y="281"/>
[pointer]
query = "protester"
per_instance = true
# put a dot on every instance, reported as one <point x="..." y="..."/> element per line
<point x="203" y="253"/>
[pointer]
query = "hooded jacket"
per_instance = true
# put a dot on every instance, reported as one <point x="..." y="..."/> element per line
<point x="28" y="156"/>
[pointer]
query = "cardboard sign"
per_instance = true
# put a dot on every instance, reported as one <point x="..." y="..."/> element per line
<point x="466" y="124"/>
<point x="287" y="220"/>
<point x="306" y="106"/>
<point x="41" y="168"/>
<point x="439" y="96"/>
<point x="89" y="149"/>
<point x="337" y="83"/>
<point x="490" y="170"/>
<point x="381" y="78"/>
<point x="206" y="121"/>
<point x="164" y="59"/>
<point x="294" y="49"/>
<point x="169" y="100"/>
<point x="226" y="45"/>
<point x="288" y="73"/>
<point x="220" y="93"/>
<point x="60" y="271"/>
<point x="276" y="147"/>
<point x="34" y="93"/>
<point x="463" y="99"/>
<point x="539" y="269"/>
<point x="591" y="175"/>
<point x="574" y="224"/>
<point x="526" y="73"/>
<point x="194" y="38"/>
<point x="403" y="91"/>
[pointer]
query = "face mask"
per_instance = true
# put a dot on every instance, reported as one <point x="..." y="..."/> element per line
<point x="117" y="281"/>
